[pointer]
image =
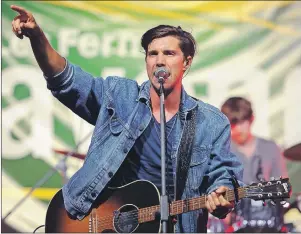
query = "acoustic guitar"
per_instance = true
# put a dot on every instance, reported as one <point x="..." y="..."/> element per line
<point x="135" y="207"/>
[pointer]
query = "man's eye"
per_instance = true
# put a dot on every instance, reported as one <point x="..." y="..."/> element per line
<point x="169" y="53"/>
<point x="152" y="54"/>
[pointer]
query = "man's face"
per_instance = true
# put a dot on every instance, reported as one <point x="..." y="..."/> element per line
<point x="241" y="131"/>
<point x="165" y="52"/>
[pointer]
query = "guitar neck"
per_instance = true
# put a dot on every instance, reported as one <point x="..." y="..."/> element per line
<point x="182" y="206"/>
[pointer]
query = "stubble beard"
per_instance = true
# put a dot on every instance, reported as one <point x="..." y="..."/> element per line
<point x="167" y="91"/>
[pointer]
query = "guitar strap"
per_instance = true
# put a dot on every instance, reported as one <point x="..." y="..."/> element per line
<point x="184" y="154"/>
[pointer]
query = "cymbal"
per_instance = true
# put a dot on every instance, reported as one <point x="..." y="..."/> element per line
<point x="70" y="153"/>
<point x="293" y="153"/>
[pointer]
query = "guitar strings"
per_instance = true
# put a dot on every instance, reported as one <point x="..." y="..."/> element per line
<point x="146" y="215"/>
<point x="176" y="205"/>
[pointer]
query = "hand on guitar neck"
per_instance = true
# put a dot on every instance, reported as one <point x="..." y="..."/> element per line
<point x="216" y="201"/>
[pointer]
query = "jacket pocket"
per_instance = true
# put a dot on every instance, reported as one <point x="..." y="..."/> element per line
<point x="200" y="155"/>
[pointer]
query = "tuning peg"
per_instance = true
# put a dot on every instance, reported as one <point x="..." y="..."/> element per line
<point x="273" y="202"/>
<point x="272" y="178"/>
<point x="262" y="180"/>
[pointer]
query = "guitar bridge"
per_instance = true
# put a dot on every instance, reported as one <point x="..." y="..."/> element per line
<point x="93" y="222"/>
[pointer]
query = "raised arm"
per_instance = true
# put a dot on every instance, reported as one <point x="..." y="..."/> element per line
<point x="75" y="88"/>
<point x="24" y="24"/>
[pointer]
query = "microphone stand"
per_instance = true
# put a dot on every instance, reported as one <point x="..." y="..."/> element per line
<point x="60" y="166"/>
<point x="164" y="206"/>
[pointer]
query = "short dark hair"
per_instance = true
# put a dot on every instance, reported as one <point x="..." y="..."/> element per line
<point x="187" y="42"/>
<point x="237" y="109"/>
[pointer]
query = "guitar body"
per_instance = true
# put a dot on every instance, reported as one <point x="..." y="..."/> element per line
<point x="128" y="199"/>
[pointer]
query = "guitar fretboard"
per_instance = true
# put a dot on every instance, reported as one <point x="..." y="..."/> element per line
<point x="182" y="206"/>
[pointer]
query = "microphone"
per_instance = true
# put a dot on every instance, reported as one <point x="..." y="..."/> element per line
<point x="161" y="74"/>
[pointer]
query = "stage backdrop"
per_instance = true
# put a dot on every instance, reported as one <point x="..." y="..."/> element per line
<point x="251" y="49"/>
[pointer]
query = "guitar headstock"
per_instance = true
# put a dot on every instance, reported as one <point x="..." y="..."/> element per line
<point x="273" y="189"/>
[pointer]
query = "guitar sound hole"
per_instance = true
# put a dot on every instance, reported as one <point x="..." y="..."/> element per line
<point x="126" y="219"/>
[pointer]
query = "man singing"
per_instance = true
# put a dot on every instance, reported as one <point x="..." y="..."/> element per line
<point x="125" y="145"/>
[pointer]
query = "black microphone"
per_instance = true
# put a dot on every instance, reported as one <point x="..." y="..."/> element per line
<point x="161" y="74"/>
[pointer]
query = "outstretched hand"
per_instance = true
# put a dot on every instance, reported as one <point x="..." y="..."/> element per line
<point x="24" y="23"/>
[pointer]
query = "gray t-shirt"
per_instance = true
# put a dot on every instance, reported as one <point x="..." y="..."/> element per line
<point x="267" y="161"/>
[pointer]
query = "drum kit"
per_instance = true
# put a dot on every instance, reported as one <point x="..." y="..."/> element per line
<point x="269" y="223"/>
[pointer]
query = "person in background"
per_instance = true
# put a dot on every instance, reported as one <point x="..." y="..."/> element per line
<point x="261" y="158"/>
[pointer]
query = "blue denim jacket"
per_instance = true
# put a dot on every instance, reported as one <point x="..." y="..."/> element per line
<point x="120" y="110"/>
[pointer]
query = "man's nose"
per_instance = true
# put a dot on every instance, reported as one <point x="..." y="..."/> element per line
<point x="160" y="61"/>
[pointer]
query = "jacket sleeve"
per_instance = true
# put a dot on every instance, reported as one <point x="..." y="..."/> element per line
<point x="79" y="91"/>
<point x="223" y="164"/>
<point x="222" y="161"/>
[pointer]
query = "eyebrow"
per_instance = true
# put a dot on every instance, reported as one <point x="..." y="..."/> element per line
<point x="165" y="51"/>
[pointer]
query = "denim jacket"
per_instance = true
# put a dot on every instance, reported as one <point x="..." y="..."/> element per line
<point x="120" y="110"/>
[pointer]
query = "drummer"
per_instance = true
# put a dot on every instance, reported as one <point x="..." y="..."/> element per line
<point x="261" y="158"/>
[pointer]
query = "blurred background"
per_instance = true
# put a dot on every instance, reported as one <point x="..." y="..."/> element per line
<point x="252" y="49"/>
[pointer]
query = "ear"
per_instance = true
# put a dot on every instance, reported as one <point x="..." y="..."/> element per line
<point x="187" y="62"/>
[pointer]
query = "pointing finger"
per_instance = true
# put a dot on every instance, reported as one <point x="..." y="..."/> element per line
<point x="20" y="10"/>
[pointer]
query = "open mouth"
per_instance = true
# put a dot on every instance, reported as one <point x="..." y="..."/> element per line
<point x="166" y="77"/>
